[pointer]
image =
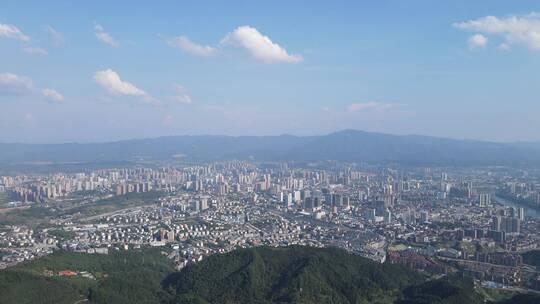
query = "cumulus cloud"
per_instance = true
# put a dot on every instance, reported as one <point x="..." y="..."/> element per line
<point x="35" y="51"/>
<point x="11" y="31"/>
<point x="181" y="96"/>
<point x="189" y="46"/>
<point x="259" y="46"/>
<point x="370" y="106"/>
<point x="515" y="29"/>
<point x="477" y="41"/>
<point x="105" y="37"/>
<point x="57" y="37"/>
<point x="52" y="95"/>
<point x="14" y="84"/>
<point x="111" y="81"/>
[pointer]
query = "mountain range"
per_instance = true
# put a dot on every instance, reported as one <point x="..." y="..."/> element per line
<point x="347" y="145"/>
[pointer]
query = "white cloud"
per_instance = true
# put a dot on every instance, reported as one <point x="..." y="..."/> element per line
<point x="105" y="37"/>
<point x="477" y="41"/>
<point x="189" y="46"/>
<point x="259" y="46"/>
<point x="52" y="95"/>
<point x="181" y="96"/>
<point x="11" y="31"/>
<point x="515" y="29"/>
<point x="14" y="84"/>
<point x="370" y="106"/>
<point x="57" y="37"/>
<point x="111" y="81"/>
<point x="504" y="47"/>
<point x="35" y="51"/>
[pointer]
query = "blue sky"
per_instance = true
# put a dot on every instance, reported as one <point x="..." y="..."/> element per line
<point x="107" y="70"/>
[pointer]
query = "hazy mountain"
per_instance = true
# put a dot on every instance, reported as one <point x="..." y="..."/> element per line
<point x="348" y="145"/>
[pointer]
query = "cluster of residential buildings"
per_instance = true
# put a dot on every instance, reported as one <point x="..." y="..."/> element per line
<point x="432" y="219"/>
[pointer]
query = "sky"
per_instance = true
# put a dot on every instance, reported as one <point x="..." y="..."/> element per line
<point x="93" y="71"/>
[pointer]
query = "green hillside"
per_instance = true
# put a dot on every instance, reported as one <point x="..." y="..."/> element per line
<point x="293" y="274"/>
<point x="452" y="290"/>
<point x="121" y="277"/>
<point x="258" y="275"/>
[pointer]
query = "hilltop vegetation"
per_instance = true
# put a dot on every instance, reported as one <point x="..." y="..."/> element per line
<point x="293" y="274"/>
<point x="447" y="290"/>
<point x="121" y="277"/>
<point x="258" y="275"/>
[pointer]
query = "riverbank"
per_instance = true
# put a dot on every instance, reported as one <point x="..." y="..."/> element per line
<point x="529" y="211"/>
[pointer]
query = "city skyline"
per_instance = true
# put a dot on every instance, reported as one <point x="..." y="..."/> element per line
<point x="92" y="73"/>
<point x="269" y="151"/>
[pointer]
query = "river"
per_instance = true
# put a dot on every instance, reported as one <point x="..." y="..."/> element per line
<point x="528" y="210"/>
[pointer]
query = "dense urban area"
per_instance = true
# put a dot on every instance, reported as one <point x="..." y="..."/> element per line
<point x="482" y="222"/>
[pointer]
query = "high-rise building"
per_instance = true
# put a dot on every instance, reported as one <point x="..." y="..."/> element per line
<point x="387" y="215"/>
<point x="497" y="236"/>
<point x="119" y="190"/>
<point x="496" y="223"/>
<point x="424" y="216"/>
<point x="203" y="203"/>
<point x="388" y="189"/>
<point x="370" y="215"/>
<point x="308" y="203"/>
<point x="388" y="201"/>
<point x="506" y="224"/>
<point x="521" y="214"/>
<point x="289" y="201"/>
<point x="296" y="196"/>
<point x="484" y="200"/>
<point x="513" y="225"/>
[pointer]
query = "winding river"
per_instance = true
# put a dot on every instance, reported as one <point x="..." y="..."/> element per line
<point x="528" y="210"/>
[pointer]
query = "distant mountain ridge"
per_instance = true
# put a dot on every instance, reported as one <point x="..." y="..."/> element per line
<point x="347" y="145"/>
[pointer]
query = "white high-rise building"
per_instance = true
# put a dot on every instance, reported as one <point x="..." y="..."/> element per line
<point x="521" y="214"/>
<point x="484" y="200"/>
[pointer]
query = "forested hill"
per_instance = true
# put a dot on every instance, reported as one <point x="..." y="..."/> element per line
<point x="313" y="275"/>
<point x="348" y="145"/>
<point x="291" y="275"/>
<point x="258" y="275"/>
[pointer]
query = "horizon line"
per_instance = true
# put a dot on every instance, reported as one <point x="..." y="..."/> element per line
<point x="269" y="135"/>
